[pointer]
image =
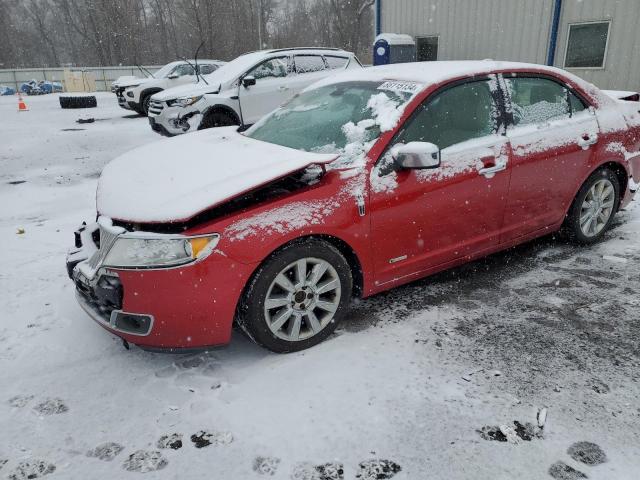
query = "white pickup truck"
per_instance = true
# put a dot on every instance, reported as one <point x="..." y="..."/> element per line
<point x="245" y="89"/>
<point x="134" y="93"/>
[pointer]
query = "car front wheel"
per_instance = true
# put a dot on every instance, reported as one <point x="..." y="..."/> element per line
<point x="217" y="119"/>
<point x="145" y="105"/>
<point x="297" y="297"/>
<point x="593" y="208"/>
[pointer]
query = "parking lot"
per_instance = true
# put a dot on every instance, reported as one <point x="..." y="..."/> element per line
<point x="416" y="384"/>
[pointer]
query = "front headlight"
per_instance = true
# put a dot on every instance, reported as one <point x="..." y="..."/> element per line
<point x="186" y="101"/>
<point x="162" y="251"/>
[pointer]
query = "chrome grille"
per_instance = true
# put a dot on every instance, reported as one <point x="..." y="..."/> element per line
<point x="155" y="107"/>
<point x="107" y="239"/>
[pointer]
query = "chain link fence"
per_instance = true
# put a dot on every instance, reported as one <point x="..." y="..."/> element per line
<point x="104" y="75"/>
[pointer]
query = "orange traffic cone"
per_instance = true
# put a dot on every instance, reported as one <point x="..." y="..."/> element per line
<point x="22" y="107"/>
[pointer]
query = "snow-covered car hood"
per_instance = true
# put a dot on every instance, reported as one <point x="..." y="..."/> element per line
<point x="175" y="179"/>
<point x="131" y="82"/>
<point x="187" y="90"/>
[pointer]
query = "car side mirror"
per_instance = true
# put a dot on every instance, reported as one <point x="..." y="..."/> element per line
<point x="173" y="75"/>
<point x="416" y="155"/>
<point x="248" y="81"/>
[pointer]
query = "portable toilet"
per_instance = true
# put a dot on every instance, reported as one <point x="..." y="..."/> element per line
<point x="393" y="48"/>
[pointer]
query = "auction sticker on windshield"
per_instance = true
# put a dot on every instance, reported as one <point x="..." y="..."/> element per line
<point x="407" y="87"/>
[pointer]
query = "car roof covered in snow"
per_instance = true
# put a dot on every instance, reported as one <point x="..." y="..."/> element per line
<point x="431" y="73"/>
<point x="300" y="50"/>
<point x="204" y="60"/>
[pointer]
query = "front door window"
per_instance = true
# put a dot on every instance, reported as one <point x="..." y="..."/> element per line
<point x="273" y="68"/>
<point x="456" y="115"/>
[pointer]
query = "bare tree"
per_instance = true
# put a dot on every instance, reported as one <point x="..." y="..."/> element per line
<point x="112" y="32"/>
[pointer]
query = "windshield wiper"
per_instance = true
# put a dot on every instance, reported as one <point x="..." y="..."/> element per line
<point x="195" y="67"/>
<point x="144" y="70"/>
<point x="196" y="60"/>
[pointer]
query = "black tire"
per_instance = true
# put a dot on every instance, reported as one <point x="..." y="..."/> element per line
<point x="571" y="229"/>
<point x="251" y="315"/>
<point x="88" y="101"/>
<point x="218" y="119"/>
<point x="144" y="110"/>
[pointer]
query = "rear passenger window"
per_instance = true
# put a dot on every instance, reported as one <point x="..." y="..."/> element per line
<point x="336" y="62"/>
<point x="453" y="116"/>
<point x="538" y="100"/>
<point x="308" y="63"/>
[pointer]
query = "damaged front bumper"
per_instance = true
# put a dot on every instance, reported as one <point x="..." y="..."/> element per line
<point x="99" y="291"/>
<point x="179" y="308"/>
<point x="173" y="120"/>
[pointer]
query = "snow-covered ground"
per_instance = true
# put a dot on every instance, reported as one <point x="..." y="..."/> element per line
<point x="404" y="389"/>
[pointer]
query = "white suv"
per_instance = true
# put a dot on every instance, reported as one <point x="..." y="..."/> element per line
<point x="134" y="93"/>
<point x="245" y="89"/>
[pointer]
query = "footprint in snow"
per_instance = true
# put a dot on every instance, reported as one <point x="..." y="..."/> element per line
<point x="3" y="462"/>
<point x="166" y="372"/>
<point x="20" y="401"/>
<point x="51" y="406"/>
<point x="204" y="439"/>
<point x="326" y="471"/>
<point x="562" y="471"/>
<point x="599" y="386"/>
<point x="201" y="364"/>
<point x="330" y="471"/>
<point x="511" y="433"/>
<point x="587" y="453"/>
<point x="266" y="465"/>
<point x="378" y="469"/>
<point x="191" y="362"/>
<point x="106" y="451"/>
<point x="584" y="452"/>
<point x="144" y="461"/>
<point x="31" y="469"/>
<point x="172" y="441"/>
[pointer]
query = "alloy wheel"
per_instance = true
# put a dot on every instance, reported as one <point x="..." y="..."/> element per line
<point x="597" y="207"/>
<point x="302" y="299"/>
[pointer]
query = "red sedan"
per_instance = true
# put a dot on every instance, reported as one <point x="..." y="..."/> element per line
<point x="363" y="182"/>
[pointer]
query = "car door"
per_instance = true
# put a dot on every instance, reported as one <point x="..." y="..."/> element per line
<point x="552" y="132"/>
<point x="308" y="69"/>
<point x="425" y="218"/>
<point x="270" y="90"/>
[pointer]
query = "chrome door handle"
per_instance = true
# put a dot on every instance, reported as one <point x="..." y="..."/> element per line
<point x="587" y="140"/>
<point x="491" y="171"/>
<point x="283" y="88"/>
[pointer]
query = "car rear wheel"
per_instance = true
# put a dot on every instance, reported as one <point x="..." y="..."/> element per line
<point x="297" y="297"/>
<point x="593" y="208"/>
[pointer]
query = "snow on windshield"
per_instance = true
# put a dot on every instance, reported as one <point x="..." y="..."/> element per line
<point x="344" y="118"/>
